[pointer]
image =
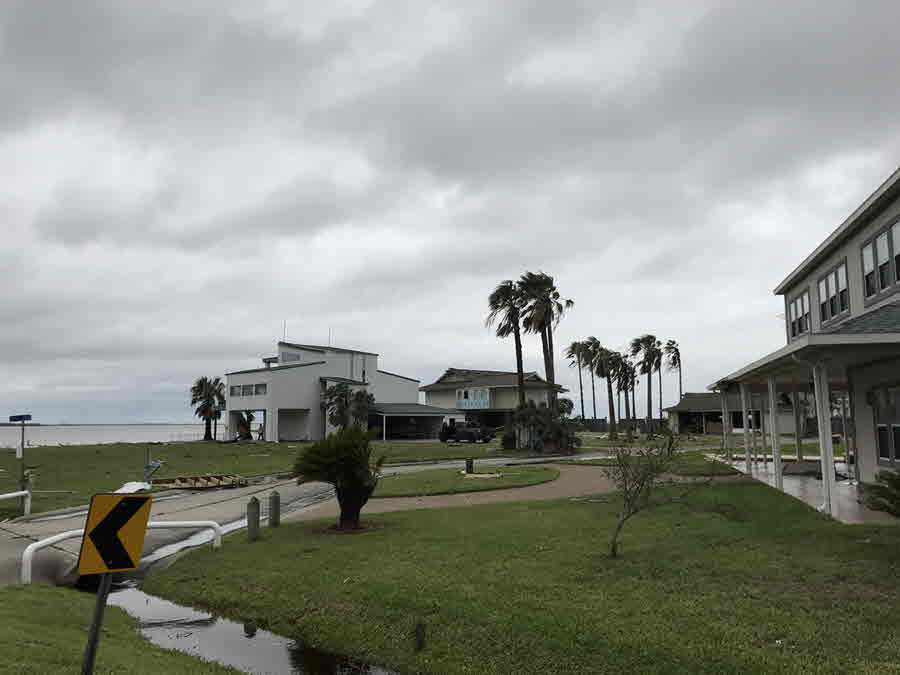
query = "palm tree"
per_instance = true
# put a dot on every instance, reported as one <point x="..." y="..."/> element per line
<point x="573" y="353"/>
<point x="604" y="364"/>
<point x="646" y="347"/>
<point x="208" y="395"/>
<point x="657" y="366"/>
<point x="591" y="346"/>
<point x="505" y="304"/>
<point x="673" y="362"/>
<point x="625" y="383"/>
<point x="544" y="308"/>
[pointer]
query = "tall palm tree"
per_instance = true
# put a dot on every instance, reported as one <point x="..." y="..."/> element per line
<point x="573" y="353"/>
<point x="505" y="304"/>
<point x="645" y="349"/>
<point x="673" y="362"/>
<point x="658" y="366"/>
<point x="544" y="308"/>
<point x="604" y="364"/>
<point x="591" y="347"/>
<point x="208" y="395"/>
<point x="625" y="383"/>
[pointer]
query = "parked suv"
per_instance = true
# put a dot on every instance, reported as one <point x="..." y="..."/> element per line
<point x="470" y="432"/>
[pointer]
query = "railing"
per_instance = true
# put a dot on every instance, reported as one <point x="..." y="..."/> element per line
<point x="20" y="493"/>
<point x="31" y="549"/>
<point x="472" y="404"/>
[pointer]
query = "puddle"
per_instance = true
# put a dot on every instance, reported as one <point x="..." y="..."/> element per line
<point x="242" y="646"/>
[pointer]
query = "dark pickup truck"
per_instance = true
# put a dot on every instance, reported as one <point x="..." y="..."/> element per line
<point x="470" y="432"/>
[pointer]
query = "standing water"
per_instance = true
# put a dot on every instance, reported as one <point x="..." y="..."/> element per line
<point x="240" y="645"/>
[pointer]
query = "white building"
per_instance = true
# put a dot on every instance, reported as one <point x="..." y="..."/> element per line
<point x="286" y="394"/>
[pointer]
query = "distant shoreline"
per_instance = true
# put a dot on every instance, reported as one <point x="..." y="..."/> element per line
<point x="105" y="424"/>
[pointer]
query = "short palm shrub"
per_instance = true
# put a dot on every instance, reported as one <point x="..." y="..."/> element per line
<point x="344" y="459"/>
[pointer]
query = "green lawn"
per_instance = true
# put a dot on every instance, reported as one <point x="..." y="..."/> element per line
<point x="736" y="578"/>
<point x="45" y="630"/>
<point x="399" y="452"/>
<point x="691" y="463"/>
<point x="83" y="470"/>
<point x="451" y="481"/>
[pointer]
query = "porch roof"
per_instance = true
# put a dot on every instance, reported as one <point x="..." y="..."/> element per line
<point x="411" y="410"/>
<point x="840" y="350"/>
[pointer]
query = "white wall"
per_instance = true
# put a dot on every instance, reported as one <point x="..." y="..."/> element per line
<point x="863" y="380"/>
<point x="389" y="388"/>
<point x="508" y="397"/>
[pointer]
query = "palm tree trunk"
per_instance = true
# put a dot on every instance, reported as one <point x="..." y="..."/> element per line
<point x="633" y="404"/>
<point x="680" y="388"/>
<point x="627" y="412"/>
<point x="580" y="383"/>
<point x="520" y="370"/>
<point x="649" y="398"/>
<point x="618" y="403"/>
<point x="546" y="361"/>
<point x="613" y="433"/>
<point x="659" y="371"/>
<point x="594" y="393"/>
<point x="215" y="428"/>
<point x="207" y="429"/>
<point x="552" y="364"/>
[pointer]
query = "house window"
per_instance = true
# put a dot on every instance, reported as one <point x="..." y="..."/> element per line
<point x="884" y="442"/>
<point x="259" y="389"/>
<point x="799" y="313"/>
<point x="843" y="293"/>
<point x="886" y="405"/>
<point x="871" y="287"/>
<point x="884" y="261"/>
<point x="793" y="314"/>
<point x="895" y="243"/>
<point x="236" y="390"/>
<point x="834" y="298"/>
<point x="804" y="317"/>
<point x="246" y="390"/>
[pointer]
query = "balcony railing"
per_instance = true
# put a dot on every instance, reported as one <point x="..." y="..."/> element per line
<point x="472" y="404"/>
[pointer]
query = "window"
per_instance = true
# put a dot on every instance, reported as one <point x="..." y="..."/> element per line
<point x="884" y="261"/>
<point x="259" y="389"/>
<point x="885" y="402"/>
<point x="804" y="317"/>
<point x="834" y="298"/>
<point x="793" y="314"/>
<point x="884" y="442"/>
<point x="246" y="390"/>
<point x="869" y="270"/>
<point x="843" y="293"/>
<point x="287" y="357"/>
<point x="236" y="390"/>
<point x="895" y="244"/>
<point x="799" y="313"/>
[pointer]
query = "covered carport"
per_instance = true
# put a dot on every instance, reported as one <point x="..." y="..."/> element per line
<point x="408" y="421"/>
<point x="859" y="373"/>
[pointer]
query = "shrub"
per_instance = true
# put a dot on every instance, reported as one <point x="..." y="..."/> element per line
<point x="884" y="493"/>
<point x="508" y="441"/>
<point x="344" y="459"/>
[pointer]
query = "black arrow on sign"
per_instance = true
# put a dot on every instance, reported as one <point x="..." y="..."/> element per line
<point x="106" y="534"/>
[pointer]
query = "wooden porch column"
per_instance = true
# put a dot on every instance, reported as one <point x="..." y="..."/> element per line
<point x="844" y="439"/>
<point x="744" y="409"/>
<point x="752" y="429"/>
<point x="384" y="427"/>
<point x="796" y="401"/>
<point x="773" y="427"/>
<point x="762" y="427"/>
<point x="826" y="451"/>
<point x="853" y="424"/>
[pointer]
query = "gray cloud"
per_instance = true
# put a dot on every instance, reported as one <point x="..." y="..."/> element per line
<point x="182" y="179"/>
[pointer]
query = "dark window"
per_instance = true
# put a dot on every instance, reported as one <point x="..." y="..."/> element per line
<point x="823" y="300"/>
<point x="805" y="312"/>
<point x="247" y="390"/>
<point x="832" y="294"/>
<point x="259" y="389"/>
<point x="884" y="442"/>
<point x="895" y="242"/>
<point x="236" y="390"/>
<point x="884" y="261"/>
<point x="793" y="315"/>
<point x="843" y="293"/>
<point x="869" y="270"/>
<point x="895" y="433"/>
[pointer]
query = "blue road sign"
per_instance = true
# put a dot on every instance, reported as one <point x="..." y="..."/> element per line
<point x="20" y="418"/>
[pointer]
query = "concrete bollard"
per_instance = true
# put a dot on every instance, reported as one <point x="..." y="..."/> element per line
<point x="470" y="466"/>
<point x="274" y="509"/>
<point x="253" y="519"/>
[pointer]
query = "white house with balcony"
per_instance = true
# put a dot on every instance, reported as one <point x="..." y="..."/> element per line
<point x="285" y="395"/>
<point x="486" y="396"/>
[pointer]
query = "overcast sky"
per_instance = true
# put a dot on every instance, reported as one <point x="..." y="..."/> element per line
<point x="180" y="178"/>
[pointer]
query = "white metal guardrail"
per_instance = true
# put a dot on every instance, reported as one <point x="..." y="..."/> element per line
<point x="28" y="553"/>
<point x="20" y="493"/>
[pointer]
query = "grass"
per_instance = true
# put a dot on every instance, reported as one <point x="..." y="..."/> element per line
<point x="45" y="630"/>
<point x="451" y="481"/>
<point x="691" y="463"/>
<point x="736" y="578"/>
<point x="400" y="452"/>
<point x="79" y="471"/>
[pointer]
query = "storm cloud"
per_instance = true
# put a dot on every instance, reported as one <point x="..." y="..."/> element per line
<point x="182" y="180"/>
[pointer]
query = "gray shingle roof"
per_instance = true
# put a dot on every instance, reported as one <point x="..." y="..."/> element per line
<point x="885" y="319"/>
<point x="456" y="377"/>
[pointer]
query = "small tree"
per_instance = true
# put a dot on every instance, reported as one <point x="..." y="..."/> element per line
<point x="208" y="394"/>
<point x="338" y="401"/>
<point x="360" y="402"/>
<point x="635" y="471"/>
<point x="344" y="459"/>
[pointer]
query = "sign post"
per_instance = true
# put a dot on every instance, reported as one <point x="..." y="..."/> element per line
<point x="113" y="541"/>
<point x="20" y="455"/>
